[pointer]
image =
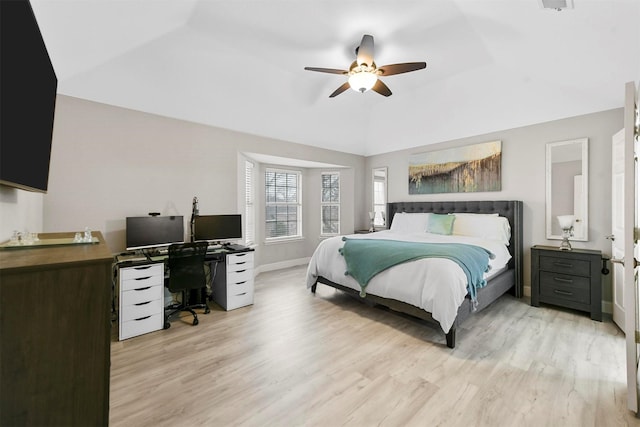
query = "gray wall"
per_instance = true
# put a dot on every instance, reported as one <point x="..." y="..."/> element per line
<point x="523" y="176"/>
<point x="108" y="163"/>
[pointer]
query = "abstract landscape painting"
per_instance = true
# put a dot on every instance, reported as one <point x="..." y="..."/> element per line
<point x="457" y="170"/>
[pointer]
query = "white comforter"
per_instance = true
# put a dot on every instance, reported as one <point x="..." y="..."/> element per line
<point x="436" y="285"/>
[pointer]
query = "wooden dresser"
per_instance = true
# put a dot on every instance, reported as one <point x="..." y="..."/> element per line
<point x="570" y="279"/>
<point x="55" y="329"/>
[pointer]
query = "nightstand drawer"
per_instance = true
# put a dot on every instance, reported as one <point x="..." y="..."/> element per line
<point x="563" y="292"/>
<point x="564" y="265"/>
<point x="556" y="279"/>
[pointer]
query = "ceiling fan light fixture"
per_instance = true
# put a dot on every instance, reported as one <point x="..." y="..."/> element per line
<point x="362" y="81"/>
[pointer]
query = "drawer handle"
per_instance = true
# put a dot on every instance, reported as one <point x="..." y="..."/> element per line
<point x="241" y="271"/>
<point x="142" y="268"/>
<point x="142" y="303"/>
<point x="240" y="283"/>
<point x="238" y="255"/>
<point x="563" y="264"/>
<point x="142" y="289"/>
<point x="561" y="292"/>
<point x="142" y="318"/>
<point x="240" y="263"/>
<point x="560" y="279"/>
<point x="239" y="295"/>
<point x="143" y="278"/>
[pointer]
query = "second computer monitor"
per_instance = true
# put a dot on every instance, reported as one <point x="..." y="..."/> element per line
<point x="217" y="228"/>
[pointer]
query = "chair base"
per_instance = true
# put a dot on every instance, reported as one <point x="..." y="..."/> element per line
<point x="182" y="307"/>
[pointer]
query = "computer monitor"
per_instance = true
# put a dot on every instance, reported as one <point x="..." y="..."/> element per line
<point x="217" y="228"/>
<point x="154" y="231"/>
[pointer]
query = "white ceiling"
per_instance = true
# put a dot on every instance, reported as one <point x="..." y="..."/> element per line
<point x="239" y="64"/>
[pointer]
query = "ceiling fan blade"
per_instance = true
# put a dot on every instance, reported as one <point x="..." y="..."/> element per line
<point x="390" y="70"/>
<point x="365" y="51"/>
<point x="326" y="70"/>
<point x="381" y="88"/>
<point x="341" y="89"/>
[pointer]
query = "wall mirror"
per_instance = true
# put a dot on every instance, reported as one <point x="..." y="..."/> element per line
<point x="567" y="180"/>
<point x="379" y="186"/>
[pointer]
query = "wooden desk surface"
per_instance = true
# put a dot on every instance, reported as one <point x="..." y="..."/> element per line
<point x="47" y="256"/>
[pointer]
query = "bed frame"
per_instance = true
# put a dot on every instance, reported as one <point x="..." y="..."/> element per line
<point x="509" y="280"/>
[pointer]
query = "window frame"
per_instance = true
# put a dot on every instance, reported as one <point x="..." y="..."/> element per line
<point x="249" y="203"/>
<point x="298" y="204"/>
<point x="324" y="203"/>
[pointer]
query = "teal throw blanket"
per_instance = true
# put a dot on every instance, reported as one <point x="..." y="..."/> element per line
<point x="367" y="257"/>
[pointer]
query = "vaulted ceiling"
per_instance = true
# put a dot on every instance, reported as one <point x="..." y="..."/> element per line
<point x="239" y="64"/>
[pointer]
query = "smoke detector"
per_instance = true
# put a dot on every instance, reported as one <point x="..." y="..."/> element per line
<point x="557" y="5"/>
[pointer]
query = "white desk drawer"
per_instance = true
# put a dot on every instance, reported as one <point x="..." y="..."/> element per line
<point x="240" y="288"/>
<point x="141" y="282"/>
<point x="150" y="293"/>
<point x="236" y="301"/>
<point x="142" y="271"/>
<point x="141" y="310"/>
<point x="242" y="257"/>
<point x="234" y="277"/>
<point x="242" y="266"/>
<point x="134" y="328"/>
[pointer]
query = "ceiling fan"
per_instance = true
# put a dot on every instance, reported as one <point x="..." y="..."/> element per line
<point x="363" y="72"/>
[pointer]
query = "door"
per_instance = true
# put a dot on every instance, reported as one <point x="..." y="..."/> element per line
<point x="617" y="226"/>
<point x="624" y="224"/>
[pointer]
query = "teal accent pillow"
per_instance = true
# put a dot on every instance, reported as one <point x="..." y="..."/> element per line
<point x="440" y="224"/>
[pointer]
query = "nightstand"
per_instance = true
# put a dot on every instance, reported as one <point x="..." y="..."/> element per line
<point x="568" y="279"/>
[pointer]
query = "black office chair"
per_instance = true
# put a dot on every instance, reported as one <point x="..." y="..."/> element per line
<point x="186" y="275"/>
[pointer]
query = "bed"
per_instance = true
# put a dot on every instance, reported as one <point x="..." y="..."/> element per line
<point x="444" y="306"/>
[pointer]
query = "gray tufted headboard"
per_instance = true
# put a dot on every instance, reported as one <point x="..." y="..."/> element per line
<point x="510" y="209"/>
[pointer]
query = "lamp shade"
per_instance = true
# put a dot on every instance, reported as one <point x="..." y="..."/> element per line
<point x="566" y="221"/>
<point x="362" y="81"/>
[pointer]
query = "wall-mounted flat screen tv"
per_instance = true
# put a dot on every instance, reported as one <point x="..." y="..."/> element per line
<point x="217" y="228"/>
<point x="154" y="231"/>
<point x="27" y="99"/>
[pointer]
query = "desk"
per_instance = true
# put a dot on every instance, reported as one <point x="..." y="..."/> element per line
<point x="141" y="287"/>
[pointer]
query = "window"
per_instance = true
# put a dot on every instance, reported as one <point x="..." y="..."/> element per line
<point x="283" y="217"/>
<point x="249" y="206"/>
<point x="330" y="203"/>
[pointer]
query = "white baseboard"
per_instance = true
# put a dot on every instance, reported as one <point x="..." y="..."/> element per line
<point x="280" y="265"/>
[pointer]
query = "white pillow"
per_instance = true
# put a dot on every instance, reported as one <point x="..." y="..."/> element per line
<point x="485" y="226"/>
<point x="410" y="222"/>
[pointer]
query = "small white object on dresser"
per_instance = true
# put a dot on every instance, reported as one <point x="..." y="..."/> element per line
<point x="141" y="299"/>
<point x="233" y="281"/>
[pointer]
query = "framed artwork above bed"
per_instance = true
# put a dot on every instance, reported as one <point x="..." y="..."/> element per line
<point x="472" y="168"/>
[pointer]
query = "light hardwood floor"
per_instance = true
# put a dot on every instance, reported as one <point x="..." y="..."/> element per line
<point x="296" y="359"/>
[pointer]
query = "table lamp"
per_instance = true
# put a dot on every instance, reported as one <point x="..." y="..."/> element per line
<point x="372" y="217"/>
<point x="566" y="224"/>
